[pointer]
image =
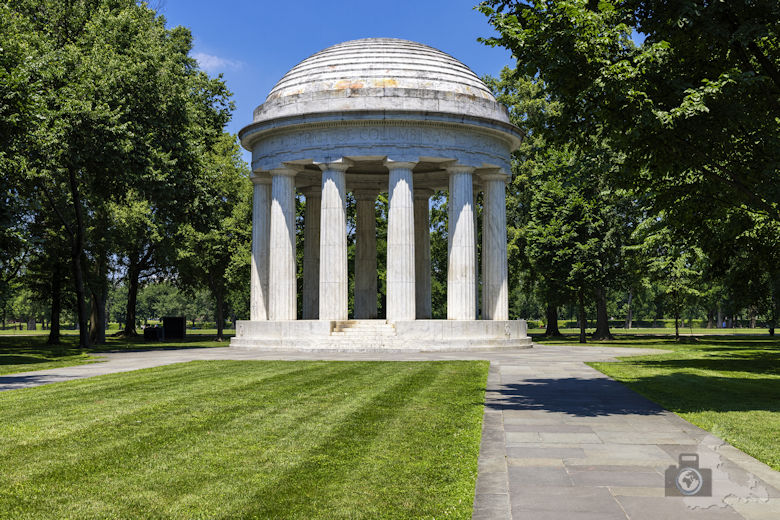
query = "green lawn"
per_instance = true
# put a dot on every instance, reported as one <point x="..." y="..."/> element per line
<point x="661" y="331"/>
<point x="729" y="386"/>
<point x="27" y="353"/>
<point x="249" y="439"/>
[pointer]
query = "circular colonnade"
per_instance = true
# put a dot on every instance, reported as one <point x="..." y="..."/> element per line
<point x="370" y="116"/>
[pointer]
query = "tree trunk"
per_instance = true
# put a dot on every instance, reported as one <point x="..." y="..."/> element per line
<point x="710" y="317"/>
<point x="81" y="304"/>
<point x="92" y="319"/>
<point x="220" y="314"/>
<point x="100" y="297"/>
<point x="552" y="322"/>
<point x="630" y="312"/>
<point x="77" y="257"/>
<point x="56" y="305"/>
<point x="132" y="298"/>
<point x="676" y="326"/>
<point x="581" y="318"/>
<point x="602" y="319"/>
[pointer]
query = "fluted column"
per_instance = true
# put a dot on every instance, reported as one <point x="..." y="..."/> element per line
<point x="475" y="210"/>
<point x="422" y="250"/>
<point x="258" y="292"/>
<point x="461" y="270"/>
<point x="334" y="283"/>
<point x="495" y="284"/>
<point x="365" y="256"/>
<point x="400" y="243"/>
<point x="281" y="274"/>
<point x="311" y="254"/>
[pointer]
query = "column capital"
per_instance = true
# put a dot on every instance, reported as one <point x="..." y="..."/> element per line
<point x="459" y="168"/>
<point x="365" y="194"/>
<point x="286" y="172"/>
<point x="340" y="165"/>
<point x="494" y="176"/>
<point x="260" y="180"/>
<point x="423" y="193"/>
<point x="395" y="165"/>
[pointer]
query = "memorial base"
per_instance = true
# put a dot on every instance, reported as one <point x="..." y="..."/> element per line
<point x="380" y="335"/>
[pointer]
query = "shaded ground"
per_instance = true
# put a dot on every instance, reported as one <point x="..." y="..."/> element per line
<point x="25" y="353"/>
<point x="729" y="386"/>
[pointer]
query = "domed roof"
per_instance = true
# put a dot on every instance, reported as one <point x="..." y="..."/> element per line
<point x="385" y="74"/>
<point x="380" y="63"/>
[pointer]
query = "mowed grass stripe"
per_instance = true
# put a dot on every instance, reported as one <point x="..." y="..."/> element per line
<point x="250" y="439"/>
<point x="285" y="443"/>
<point x="440" y="428"/>
<point x="341" y="450"/>
<point x="134" y="427"/>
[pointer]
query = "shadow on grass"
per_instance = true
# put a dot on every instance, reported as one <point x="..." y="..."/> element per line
<point x="32" y="350"/>
<point x="754" y="363"/>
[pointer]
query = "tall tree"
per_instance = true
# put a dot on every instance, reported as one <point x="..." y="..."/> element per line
<point x="694" y="107"/>
<point x="216" y="241"/>
<point x="124" y="106"/>
<point x="673" y="264"/>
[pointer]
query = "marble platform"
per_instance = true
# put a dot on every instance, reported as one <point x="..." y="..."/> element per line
<point x="381" y="335"/>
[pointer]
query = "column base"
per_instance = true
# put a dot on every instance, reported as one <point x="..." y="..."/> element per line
<point x="381" y="335"/>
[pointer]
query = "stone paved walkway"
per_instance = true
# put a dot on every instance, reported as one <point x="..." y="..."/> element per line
<point x="560" y="440"/>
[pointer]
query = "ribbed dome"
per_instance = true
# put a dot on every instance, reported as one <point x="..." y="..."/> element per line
<point x="380" y="75"/>
<point x="380" y="63"/>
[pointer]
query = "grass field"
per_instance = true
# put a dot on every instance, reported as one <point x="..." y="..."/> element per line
<point x="251" y="439"/>
<point x="729" y="386"/>
<point x="659" y="331"/>
<point x="27" y="353"/>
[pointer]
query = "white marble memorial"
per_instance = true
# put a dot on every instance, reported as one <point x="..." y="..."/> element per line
<point x="365" y="117"/>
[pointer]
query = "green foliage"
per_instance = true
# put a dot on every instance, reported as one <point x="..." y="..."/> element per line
<point x="214" y="249"/>
<point x="108" y="122"/>
<point x="675" y="266"/>
<point x="694" y="108"/>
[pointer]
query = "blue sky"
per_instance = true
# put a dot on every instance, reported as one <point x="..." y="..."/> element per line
<point x="254" y="43"/>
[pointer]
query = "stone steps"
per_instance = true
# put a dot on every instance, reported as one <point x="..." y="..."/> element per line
<point x="363" y="329"/>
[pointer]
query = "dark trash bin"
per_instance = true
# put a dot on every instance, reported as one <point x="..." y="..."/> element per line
<point x="153" y="334"/>
<point x="174" y="327"/>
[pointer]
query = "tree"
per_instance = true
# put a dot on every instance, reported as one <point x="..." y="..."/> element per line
<point x="672" y="264"/>
<point x="694" y="108"/>
<point x="567" y="225"/>
<point x="211" y="245"/>
<point x="125" y="109"/>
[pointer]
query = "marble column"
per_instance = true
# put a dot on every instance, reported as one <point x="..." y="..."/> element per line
<point x="281" y="273"/>
<point x="400" y="243"/>
<point x="311" y="253"/>
<point x="495" y="285"/>
<point x="475" y="206"/>
<point x="461" y="268"/>
<point x="365" y="256"/>
<point x="258" y="293"/>
<point x="422" y="250"/>
<point x="334" y="283"/>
